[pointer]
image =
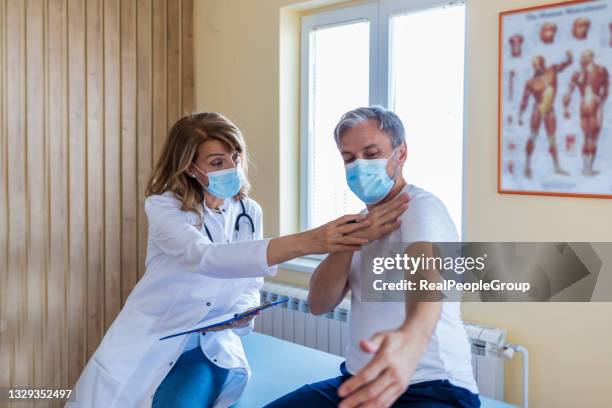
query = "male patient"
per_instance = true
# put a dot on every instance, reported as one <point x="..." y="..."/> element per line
<point x="402" y="354"/>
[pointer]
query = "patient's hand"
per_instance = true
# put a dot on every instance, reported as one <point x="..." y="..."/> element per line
<point x="386" y="377"/>
<point x="384" y="219"/>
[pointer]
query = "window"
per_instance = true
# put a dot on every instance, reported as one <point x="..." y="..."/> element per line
<point x="427" y="94"/>
<point x="392" y="53"/>
<point x="337" y="47"/>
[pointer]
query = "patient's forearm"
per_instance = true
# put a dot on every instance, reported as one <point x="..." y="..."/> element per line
<point x="329" y="282"/>
<point x="421" y="320"/>
<point x="423" y="309"/>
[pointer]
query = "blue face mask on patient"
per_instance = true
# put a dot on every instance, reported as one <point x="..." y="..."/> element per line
<point x="369" y="180"/>
<point x="224" y="183"/>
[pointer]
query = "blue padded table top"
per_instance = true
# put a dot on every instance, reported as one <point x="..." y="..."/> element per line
<point x="280" y="367"/>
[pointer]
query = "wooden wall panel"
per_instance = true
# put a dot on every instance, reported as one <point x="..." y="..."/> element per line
<point x="187" y="77"/>
<point x="17" y="200"/>
<point x="95" y="173"/>
<point x="129" y="156"/>
<point x="144" y="125"/>
<point x="37" y="189"/>
<point x="173" y="58"/>
<point x="160" y="74"/>
<point x="77" y="188"/>
<point x="5" y="339"/>
<point x="112" y="160"/>
<point x="58" y="189"/>
<point x="88" y="89"/>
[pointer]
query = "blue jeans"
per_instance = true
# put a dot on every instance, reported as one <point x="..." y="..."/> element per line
<point x="193" y="382"/>
<point x="428" y="394"/>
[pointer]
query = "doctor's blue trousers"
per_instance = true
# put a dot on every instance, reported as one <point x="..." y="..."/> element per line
<point x="194" y="381"/>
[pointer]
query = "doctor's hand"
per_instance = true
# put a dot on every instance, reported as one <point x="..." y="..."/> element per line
<point x="237" y="324"/>
<point x="384" y="218"/>
<point x="386" y="377"/>
<point x="336" y="236"/>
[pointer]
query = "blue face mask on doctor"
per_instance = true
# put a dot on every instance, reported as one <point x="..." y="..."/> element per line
<point x="224" y="183"/>
<point x="368" y="179"/>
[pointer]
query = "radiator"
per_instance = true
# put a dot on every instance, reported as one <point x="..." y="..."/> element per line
<point x="329" y="332"/>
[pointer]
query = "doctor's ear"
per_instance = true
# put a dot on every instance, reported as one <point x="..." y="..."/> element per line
<point x="193" y="172"/>
<point x="190" y="172"/>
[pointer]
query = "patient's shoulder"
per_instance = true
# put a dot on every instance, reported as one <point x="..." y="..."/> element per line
<point x="426" y="218"/>
<point x="422" y="202"/>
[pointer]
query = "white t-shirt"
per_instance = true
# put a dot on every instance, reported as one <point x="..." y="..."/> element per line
<point x="448" y="355"/>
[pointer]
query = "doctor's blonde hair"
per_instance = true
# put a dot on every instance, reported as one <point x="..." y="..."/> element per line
<point x="180" y="150"/>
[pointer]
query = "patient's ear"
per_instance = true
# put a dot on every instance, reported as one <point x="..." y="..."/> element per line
<point x="402" y="153"/>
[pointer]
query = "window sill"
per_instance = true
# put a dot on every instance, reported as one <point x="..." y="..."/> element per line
<point x="306" y="265"/>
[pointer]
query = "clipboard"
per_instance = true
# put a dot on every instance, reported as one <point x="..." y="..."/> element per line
<point x="225" y="319"/>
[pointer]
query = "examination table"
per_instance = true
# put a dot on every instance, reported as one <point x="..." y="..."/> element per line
<point x="280" y="367"/>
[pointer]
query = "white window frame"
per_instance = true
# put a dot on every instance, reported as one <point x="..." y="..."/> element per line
<point x="378" y="13"/>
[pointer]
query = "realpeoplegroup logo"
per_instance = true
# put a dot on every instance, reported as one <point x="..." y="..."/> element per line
<point x="450" y="285"/>
<point x="486" y="271"/>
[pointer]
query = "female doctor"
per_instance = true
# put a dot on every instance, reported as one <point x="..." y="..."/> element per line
<point x="205" y="257"/>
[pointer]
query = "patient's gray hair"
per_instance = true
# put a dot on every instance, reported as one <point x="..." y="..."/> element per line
<point x="387" y="120"/>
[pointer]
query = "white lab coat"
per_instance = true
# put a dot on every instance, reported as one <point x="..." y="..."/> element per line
<point x="188" y="279"/>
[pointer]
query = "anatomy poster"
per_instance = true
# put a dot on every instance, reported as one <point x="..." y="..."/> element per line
<point x="555" y="130"/>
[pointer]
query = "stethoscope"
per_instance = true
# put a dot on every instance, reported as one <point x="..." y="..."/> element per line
<point x="237" y="223"/>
